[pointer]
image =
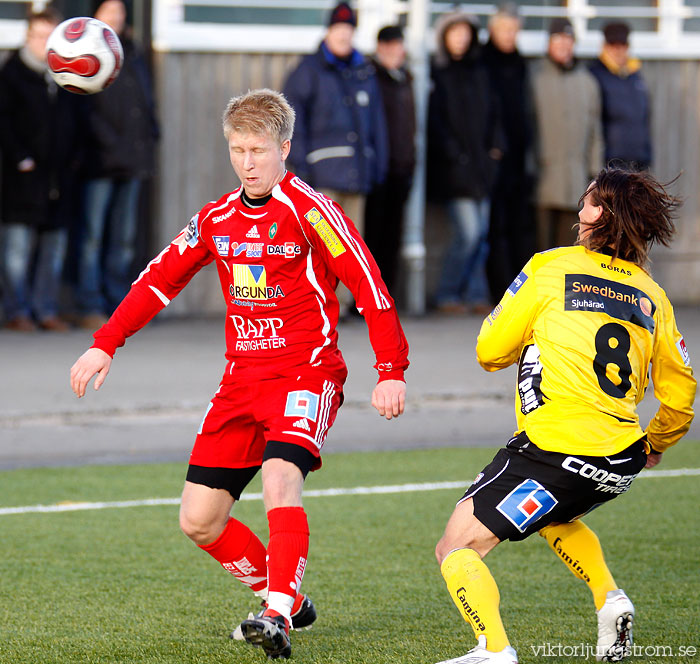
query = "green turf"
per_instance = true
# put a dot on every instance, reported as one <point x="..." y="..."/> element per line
<point x="124" y="585"/>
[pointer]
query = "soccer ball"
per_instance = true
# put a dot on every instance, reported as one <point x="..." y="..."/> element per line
<point x="84" y="55"/>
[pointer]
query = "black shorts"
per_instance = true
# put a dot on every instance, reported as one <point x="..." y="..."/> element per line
<point x="234" y="480"/>
<point x="525" y="488"/>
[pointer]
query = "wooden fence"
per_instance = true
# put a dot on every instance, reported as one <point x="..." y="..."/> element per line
<point x="192" y="91"/>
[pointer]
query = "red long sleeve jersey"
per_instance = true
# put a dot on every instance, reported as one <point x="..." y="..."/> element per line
<point x="279" y="265"/>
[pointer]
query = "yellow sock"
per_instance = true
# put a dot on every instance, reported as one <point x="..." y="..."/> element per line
<point x="578" y="547"/>
<point x="475" y="594"/>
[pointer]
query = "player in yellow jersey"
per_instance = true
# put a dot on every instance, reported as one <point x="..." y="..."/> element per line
<point x="587" y="326"/>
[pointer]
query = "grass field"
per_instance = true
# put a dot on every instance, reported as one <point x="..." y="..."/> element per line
<point x="125" y="586"/>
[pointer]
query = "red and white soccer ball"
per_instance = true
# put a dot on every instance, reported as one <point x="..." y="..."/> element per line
<point x="84" y="55"/>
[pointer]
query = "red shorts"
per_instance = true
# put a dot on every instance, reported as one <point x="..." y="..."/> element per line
<point x="247" y="413"/>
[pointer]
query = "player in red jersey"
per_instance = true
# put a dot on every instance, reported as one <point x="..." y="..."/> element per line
<point x="280" y="248"/>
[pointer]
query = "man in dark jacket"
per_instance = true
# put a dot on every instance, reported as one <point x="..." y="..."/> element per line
<point x="123" y="133"/>
<point x="384" y="211"/>
<point x="39" y="142"/>
<point x="625" y="100"/>
<point x="464" y="146"/>
<point x="340" y="143"/>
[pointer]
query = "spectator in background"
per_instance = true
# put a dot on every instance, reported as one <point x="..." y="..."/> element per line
<point x="123" y="133"/>
<point x="464" y="146"/>
<point x="340" y="144"/>
<point x="384" y="211"/>
<point x="625" y="100"/>
<point x="40" y="156"/>
<point x="512" y="227"/>
<point x="570" y="144"/>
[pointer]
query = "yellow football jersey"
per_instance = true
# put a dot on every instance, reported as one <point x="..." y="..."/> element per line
<point x="588" y="333"/>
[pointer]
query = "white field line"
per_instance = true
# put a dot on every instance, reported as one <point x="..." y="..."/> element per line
<point x="312" y="493"/>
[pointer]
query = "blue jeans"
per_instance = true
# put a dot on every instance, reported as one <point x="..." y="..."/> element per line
<point x="464" y="269"/>
<point x="28" y="292"/>
<point x="111" y="205"/>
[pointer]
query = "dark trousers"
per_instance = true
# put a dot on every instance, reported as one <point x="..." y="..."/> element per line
<point x="384" y="213"/>
<point x="511" y="231"/>
<point x="556" y="228"/>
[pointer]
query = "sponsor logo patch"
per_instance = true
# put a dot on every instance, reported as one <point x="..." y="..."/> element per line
<point x="571" y="562"/>
<point x="189" y="236"/>
<point x="303" y="423"/>
<point x="251" y="249"/>
<point x="245" y="566"/>
<point x="192" y="232"/>
<point x="299" y="574"/>
<point x="491" y="318"/>
<point x="517" y="284"/>
<point x="302" y="403"/>
<point x="530" y="379"/>
<point x="223" y="217"/>
<point x="326" y="233"/>
<point x="254" y="250"/>
<point x="222" y="243"/>
<point x="683" y="350"/>
<point x="258" y="333"/>
<point x="288" y="249"/>
<point x="525" y="504"/>
<point x="249" y="282"/>
<point x="472" y="616"/>
<point x="244" y="570"/>
<point x="606" y="481"/>
<point x="239" y="248"/>
<point x="615" y="268"/>
<point x="584" y="292"/>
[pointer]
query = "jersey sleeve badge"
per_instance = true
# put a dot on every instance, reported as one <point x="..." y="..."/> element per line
<point x="683" y="350"/>
<point x="325" y="232"/>
<point x="189" y="237"/>
<point x="517" y="284"/>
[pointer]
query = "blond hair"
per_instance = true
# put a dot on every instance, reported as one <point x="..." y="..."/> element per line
<point x="261" y="112"/>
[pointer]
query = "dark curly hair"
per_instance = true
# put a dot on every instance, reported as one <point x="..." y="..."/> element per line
<point x="638" y="211"/>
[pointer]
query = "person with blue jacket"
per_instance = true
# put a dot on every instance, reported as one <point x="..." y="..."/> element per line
<point x="341" y="145"/>
<point x="625" y="100"/>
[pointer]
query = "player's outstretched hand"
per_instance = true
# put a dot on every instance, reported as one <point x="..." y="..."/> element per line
<point x="92" y="361"/>
<point x="389" y="398"/>
<point x="653" y="459"/>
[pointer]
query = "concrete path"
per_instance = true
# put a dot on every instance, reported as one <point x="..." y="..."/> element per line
<point x="161" y="382"/>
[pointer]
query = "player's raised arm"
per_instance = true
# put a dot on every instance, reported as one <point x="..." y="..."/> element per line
<point x="674" y="386"/>
<point x="509" y="325"/>
<point x="164" y="277"/>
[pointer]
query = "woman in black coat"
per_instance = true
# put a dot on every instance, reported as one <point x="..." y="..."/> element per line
<point x="464" y="145"/>
<point x="39" y="141"/>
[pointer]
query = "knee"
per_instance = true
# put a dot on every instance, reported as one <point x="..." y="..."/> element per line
<point x="464" y="531"/>
<point x="443" y="548"/>
<point x="439" y="555"/>
<point x="200" y="528"/>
